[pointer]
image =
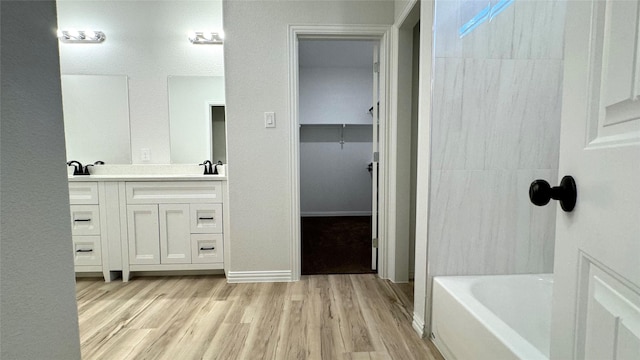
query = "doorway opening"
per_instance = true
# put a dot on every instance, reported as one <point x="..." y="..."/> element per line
<point x="413" y="155"/>
<point x="218" y="134"/>
<point x="406" y="109"/>
<point x="338" y="137"/>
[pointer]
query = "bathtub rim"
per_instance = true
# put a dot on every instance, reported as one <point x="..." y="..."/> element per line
<point x="458" y="287"/>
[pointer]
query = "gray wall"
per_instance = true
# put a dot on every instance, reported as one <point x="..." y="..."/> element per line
<point x="495" y="128"/>
<point x="336" y="95"/>
<point x="334" y="180"/>
<point x="37" y="285"/>
<point x="256" y="72"/>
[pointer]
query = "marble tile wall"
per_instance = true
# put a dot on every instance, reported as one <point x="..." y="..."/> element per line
<point x="495" y="128"/>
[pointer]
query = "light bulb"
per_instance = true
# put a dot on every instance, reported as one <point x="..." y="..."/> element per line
<point x="73" y="34"/>
<point x="90" y="34"/>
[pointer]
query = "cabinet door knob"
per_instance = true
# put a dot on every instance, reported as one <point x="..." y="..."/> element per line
<point x="84" y="250"/>
<point x="540" y="193"/>
<point x="205" y="218"/>
<point x="81" y="219"/>
<point x="207" y="248"/>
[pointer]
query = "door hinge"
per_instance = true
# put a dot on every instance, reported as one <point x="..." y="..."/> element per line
<point x="375" y="243"/>
<point x="376" y="67"/>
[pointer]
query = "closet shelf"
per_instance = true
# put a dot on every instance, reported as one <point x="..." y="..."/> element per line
<point x="343" y="125"/>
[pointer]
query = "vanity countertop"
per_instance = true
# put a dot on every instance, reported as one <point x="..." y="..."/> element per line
<point x="149" y="177"/>
<point x="189" y="172"/>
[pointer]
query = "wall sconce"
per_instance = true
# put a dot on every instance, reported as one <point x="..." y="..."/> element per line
<point x="208" y="37"/>
<point x="81" y="36"/>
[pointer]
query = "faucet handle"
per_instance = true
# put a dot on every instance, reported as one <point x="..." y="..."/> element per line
<point x="86" y="170"/>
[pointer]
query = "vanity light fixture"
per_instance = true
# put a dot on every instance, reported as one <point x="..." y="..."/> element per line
<point x="81" y="36"/>
<point x="206" y="37"/>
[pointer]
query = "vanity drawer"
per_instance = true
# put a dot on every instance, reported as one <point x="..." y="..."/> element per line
<point x="206" y="248"/>
<point x="85" y="220"/>
<point x="86" y="250"/>
<point x="206" y="218"/>
<point x="177" y="192"/>
<point x="83" y="193"/>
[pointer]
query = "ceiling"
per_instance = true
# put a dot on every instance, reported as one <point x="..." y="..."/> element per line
<point x="335" y="53"/>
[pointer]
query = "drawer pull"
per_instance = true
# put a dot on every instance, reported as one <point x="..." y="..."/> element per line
<point x="84" y="250"/>
<point x="208" y="248"/>
<point x="206" y="218"/>
<point x="86" y="220"/>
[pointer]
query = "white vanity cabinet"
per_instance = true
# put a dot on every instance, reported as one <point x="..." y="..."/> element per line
<point x="173" y="225"/>
<point x="144" y="223"/>
<point x="86" y="227"/>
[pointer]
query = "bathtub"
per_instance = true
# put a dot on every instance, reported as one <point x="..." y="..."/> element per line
<point x="492" y="317"/>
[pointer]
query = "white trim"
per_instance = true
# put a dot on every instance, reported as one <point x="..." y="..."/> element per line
<point x="383" y="146"/>
<point x="373" y="32"/>
<point x="399" y="185"/>
<point x="258" y="276"/>
<point x="404" y="15"/>
<point x="335" y="213"/>
<point x="422" y="284"/>
<point x="418" y="324"/>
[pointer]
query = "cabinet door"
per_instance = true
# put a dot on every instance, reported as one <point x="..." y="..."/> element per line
<point x="175" y="235"/>
<point x="143" y="231"/>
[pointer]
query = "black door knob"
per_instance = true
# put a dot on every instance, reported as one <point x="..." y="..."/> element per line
<point x="540" y="193"/>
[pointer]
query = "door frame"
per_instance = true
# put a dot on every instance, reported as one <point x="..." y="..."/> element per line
<point x="380" y="33"/>
<point x="421" y="321"/>
<point x="399" y="226"/>
<point x="209" y="104"/>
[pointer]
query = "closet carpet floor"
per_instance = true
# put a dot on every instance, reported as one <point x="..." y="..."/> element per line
<point x="203" y="317"/>
<point x="336" y="245"/>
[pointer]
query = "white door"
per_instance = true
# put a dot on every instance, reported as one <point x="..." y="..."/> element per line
<point x="175" y="234"/>
<point x="143" y="232"/>
<point x="374" y="173"/>
<point x="596" y="299"/>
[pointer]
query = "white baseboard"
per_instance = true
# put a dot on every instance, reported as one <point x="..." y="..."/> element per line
<point x="418" y="325"/>
<point x="334" y="213"/>
<point x="258" y="276"/>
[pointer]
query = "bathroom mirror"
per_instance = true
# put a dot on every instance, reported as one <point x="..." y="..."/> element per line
<point x="197" y="119"/>
<point x="96" y="118"/>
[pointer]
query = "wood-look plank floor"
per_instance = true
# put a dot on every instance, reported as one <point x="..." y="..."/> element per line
<point x="320" y="317"/>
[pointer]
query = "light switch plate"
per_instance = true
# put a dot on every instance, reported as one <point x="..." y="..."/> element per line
<point x="145" y="154"/>
<point x="269" y="119"/>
